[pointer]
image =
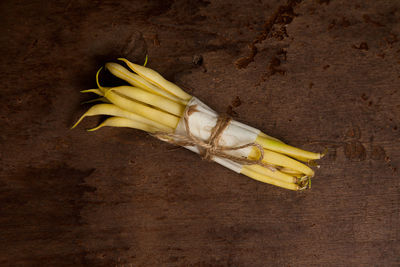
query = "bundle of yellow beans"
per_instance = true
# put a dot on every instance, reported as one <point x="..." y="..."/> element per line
<point x="153" y="104"/>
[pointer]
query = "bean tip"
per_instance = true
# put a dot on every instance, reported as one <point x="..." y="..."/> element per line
<point x="97" y="80"/>
<point x="95" y="128"/>
<point x="145" y="61"/>
<point x="321" y="155"/>
<point x="80" y="119"/>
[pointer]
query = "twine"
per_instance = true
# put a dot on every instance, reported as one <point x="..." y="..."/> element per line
<point x="211" y="148"/>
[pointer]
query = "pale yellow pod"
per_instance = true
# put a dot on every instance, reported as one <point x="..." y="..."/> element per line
<point x="95" y="91"/>
<point x="101" y="88"/>
<point x="136" y="80"/>
<point x="278" y="159"/>
<point x="306" y="160"/>
<point x="273" y="174"/>
<point x="113" y="110"/>
<point x="269" y="137"/>
<point x="123" y="122"/>
<point x="142" y="110"/>
<point x="295" y="175"/>
<point x="291" y="171"/>
<point x="265" y="179"/>
<point x="155" y="78"/>
<point x="99" y="99"/>
<point x="151" y="99"/>
<point x="283" y="148"/>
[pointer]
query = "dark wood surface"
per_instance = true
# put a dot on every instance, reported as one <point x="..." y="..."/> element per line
<point x="313" y="73"/>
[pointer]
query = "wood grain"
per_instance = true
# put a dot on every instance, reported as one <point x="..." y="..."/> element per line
<point x="326" y="74"/>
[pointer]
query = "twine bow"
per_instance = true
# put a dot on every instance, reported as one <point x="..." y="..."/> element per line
<point x="211" y="148"/>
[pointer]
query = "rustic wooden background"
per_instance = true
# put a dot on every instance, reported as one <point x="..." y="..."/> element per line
<point x="314" y="73"/>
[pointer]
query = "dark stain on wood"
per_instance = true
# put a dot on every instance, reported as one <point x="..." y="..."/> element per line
<point x="283" y="15"/>
<point x="118" y="197"/>
<point x="371" y="21"/>
<point x="236" y="102"/>
<point x="361" y="46"/>
<point x="355" y="150"/>
<point x="377" y="152"/>
<point x="324" y="2"/>
<point x="354" y="132"/>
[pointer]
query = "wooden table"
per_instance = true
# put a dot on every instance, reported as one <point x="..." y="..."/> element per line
<point x="315" y="74"/>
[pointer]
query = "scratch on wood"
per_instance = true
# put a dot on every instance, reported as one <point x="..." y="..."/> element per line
<point x="284" y="15"/>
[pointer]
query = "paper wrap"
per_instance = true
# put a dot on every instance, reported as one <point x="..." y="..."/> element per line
<point x="236" y="134"/>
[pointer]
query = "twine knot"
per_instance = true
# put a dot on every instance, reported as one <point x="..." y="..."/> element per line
<point x="211" y="148"/>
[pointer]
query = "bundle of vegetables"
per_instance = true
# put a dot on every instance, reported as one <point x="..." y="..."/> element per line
<point x="164" y="110"/>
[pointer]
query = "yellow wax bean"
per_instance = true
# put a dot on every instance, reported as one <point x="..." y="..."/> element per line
<point x="269" y="137"/>
<point x="151" y="99"/>
<point x="113" y="110"/>
<point x="273" y="174"/>
<point x="142" y="110"/>
<point x="306" y="160"/>
<point x="265" y="179"/>
<point x="155" y="78"/>
<point x="295" y="175"/>
<point x="291" y="171"/>
<point x="286" y="149"/>
<point x="95" y="91"/>
<point x="101" y="88"/>
<point x="140" y="82"/>
<point x="278" y="159"/>
<point x="99" y="99"/>
<point x="123" y="122"/>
